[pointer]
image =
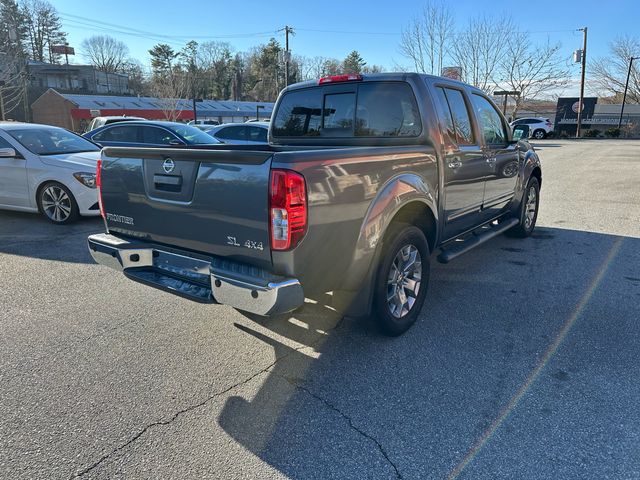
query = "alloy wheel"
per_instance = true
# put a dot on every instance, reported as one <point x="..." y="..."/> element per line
<point x="56" y="204"/>
<point x="530" y="207"/>
<point x="403" y="281"/>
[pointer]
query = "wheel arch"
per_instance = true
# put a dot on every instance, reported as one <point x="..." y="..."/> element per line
<point x="46" y="181"/>
<point x="406" y="198"/>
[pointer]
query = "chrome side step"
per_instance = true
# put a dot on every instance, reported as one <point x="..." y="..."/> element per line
<point x="478" y="237"/>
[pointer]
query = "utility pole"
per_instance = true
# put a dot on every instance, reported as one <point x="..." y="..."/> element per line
<point x="287" y="55"/>
<point x="584" y="65"/>
<point x="626" y="86"/>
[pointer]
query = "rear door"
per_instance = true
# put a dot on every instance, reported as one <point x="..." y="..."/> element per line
<point x="14" y="189"/>
<point x="464" y="162"/>
<point x="501" y="158"/>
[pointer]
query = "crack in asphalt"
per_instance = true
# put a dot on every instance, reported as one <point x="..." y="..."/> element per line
<point x="331" y="406"/>
<point x="190" y="408"/>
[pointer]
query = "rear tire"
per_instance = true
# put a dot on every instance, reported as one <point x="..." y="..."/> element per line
<point x="539" y="134"/>
<point x="57" y="204"/>
<point x="402" y="279"/>
<point x="528" y="210"/>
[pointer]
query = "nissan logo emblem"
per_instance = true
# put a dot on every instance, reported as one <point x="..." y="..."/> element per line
<point x="168" y="165"/>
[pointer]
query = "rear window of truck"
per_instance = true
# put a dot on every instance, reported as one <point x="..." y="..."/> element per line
<point x="373" y="109"/>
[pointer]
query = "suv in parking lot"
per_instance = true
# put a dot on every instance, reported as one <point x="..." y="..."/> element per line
<point x="363" y="178"/>
<point x="539" y="127"/>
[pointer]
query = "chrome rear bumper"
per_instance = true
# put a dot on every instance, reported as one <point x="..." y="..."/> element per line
<point x="201" y="278"/>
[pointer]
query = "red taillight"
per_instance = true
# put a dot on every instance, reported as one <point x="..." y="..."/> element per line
<point x="340" y="78"/>
<point x="287" y="209"/>
<point x="99" y="186"/>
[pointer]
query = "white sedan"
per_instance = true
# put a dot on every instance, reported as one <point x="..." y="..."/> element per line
<point x="48" y="170"/>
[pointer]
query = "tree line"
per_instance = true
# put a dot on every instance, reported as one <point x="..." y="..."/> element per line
<point x="491" y="52"/>
<point x="494" y="53"/>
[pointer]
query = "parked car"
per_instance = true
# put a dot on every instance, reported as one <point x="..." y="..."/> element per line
<point x="364" y="177"/>
<point x="149" y="134"/>
<point x="540" y="127"/>
<point x="48" y="170"/>
<point x="241" y="133"/>
<point x="205" y="122"/>
<point x="98" y="122"/>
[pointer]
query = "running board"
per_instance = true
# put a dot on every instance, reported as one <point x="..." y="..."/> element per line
<point x="478" y="237"/>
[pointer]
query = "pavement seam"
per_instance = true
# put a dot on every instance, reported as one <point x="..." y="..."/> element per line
<point x="355" y="428"/>
<point x="190" y="408"/>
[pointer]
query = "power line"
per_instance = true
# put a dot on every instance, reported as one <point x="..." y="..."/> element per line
<point x="152" y="35"/>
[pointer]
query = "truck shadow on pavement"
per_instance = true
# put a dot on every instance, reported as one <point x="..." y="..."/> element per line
<point x="510" y="369"/>
<point x="32" y="235"/>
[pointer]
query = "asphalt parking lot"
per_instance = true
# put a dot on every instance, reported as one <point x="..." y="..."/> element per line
<point x="525" y="363"/>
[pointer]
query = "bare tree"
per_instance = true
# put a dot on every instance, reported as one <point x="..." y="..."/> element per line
<point x="532" y="70"/>
<point x="170" y="91"/>
<point x="105" y="53"/>
<point x="12" y="84"/>
<point x="425" y="41"/>
<point x="481" y="49"/>
<point x="609" y="73"/>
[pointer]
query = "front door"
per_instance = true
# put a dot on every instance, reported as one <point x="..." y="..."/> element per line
<point x="14" y="191"/>
<point x="464" y="163"/>
<point x="502" y="160"/>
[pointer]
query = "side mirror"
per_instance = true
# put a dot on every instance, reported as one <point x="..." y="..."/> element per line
<point x="520" y="132"/>
<point x="9" y="153"/>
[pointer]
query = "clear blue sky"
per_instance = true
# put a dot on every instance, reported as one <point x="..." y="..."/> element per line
<point x="248" y="23"/>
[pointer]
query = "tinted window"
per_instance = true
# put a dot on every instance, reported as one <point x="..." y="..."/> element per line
<point x="387" y="110"/>
<point x="339" y="110"/>
<point x="382" y="110"/>
<point x="490" y="121"/>
<point x="232" y="133"/>
<point x="122" y="133"/>
<point x="52" y="141"/>
<point x="5" y="144"/>
<point x="257" y="134"/>
<point x="299" y="114"/>
<point x="461" y="117"/>
<point x="157" y="136"/>
<point x="447" y="119"/>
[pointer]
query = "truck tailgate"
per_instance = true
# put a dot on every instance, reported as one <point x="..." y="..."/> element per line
<point x="211" y="201"/>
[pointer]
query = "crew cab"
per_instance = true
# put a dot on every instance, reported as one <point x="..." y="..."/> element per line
<point x="363" y="178"/>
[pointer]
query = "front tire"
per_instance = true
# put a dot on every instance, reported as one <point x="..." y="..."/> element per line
<point x="57" y="204"/>
<point x="402" y="279"/>
<point x="528" y="210"/>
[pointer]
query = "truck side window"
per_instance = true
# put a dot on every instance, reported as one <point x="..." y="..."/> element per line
<point x="461" y="117"/>
<point x="490" y="121"/>
<point x="447" y="119"/>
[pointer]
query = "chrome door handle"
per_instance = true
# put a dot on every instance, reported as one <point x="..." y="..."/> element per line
<point x="491" y="159"/>
<point x="455" y="163"/>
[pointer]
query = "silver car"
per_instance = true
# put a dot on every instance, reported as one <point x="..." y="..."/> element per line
<point x="48" y="170"/>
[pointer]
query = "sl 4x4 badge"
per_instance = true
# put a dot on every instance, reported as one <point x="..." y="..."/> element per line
<point x="247" y="244"/>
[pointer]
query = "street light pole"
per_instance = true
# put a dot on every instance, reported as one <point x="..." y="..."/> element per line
<point x="584" y="65"/>
<point x="626" y="86"/>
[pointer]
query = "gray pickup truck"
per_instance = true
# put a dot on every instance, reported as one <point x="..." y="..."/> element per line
<point x="363" y="178"/>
